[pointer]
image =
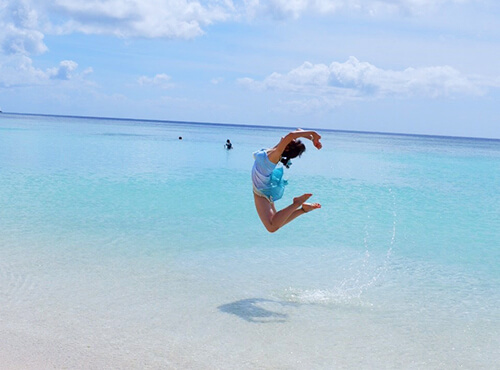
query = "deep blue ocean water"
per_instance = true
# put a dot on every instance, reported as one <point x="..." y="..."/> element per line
<point x="121" y="245"/>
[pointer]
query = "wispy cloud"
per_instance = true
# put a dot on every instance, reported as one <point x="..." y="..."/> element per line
<point x="355" y="80"/>
<point x="217" y="80"/>
<point x="18" y="70"/>
<point x="64" y="71"/>
<point x="297" y="8"/>
<point x="161" y="80"/>
<point x="21" y="29"/>
<point x="139" y="18"/>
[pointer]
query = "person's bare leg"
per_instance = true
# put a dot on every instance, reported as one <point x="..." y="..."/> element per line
<point x="306" y="207"/>
<point x="272" y="219"/>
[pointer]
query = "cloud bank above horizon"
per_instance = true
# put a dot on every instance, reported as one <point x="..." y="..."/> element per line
<point x="355" y="80"/>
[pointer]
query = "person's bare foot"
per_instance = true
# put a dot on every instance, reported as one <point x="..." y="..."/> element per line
<point x="307" y="207"/>
<point x="300" y="200"/>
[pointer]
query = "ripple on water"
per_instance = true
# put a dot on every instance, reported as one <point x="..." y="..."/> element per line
<point x="15" y="286"/>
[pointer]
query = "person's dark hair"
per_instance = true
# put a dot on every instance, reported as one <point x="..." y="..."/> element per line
<point x="293" y="150"/>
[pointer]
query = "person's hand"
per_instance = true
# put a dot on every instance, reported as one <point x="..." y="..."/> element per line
<point x="315" y="140"/>
<point x="317" y="144"/>
<point x="311" y="135"/>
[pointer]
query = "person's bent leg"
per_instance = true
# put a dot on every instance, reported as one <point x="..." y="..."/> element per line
<point x="273" y="220"/>
<point x="306" y="207"/>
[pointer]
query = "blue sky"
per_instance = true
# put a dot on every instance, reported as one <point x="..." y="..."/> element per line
<point x="409" y="66"/>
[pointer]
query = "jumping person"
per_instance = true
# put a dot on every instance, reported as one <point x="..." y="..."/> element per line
<point x="268" y="182"/>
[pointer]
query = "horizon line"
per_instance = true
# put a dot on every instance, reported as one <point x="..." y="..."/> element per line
<point x="253" y="126"/>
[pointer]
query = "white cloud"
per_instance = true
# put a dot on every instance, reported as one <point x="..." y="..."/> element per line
<point x="297" y="8"/>
<point x="355" y="80"/>
<point x="161" y="80"/>
<point x="64" y="71"/>
<point x="217" y="80"/>
<point x="18" y="70"/>
<point x="140" y="18"/>
<point x="20" y="27"/>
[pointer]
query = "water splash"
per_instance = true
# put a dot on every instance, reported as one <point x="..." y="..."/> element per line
<point x="335" y="297"/>
<point x="364" y="274"/>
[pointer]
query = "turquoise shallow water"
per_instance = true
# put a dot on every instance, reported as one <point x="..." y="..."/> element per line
<point x="121" y="245"/>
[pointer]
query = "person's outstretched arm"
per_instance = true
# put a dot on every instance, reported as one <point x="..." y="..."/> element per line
<point x="275" y="153"/>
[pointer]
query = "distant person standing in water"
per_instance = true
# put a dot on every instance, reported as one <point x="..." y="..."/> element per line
<point x="228" y="145"/>
<point x="268" y="182"/>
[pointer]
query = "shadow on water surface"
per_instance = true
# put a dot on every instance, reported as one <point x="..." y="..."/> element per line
<point x="252" y="310"/>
